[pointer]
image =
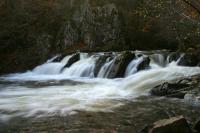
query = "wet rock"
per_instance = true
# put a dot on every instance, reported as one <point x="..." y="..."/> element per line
<point x="174" y="56"/>
<point x="59" y="58"/>
<point x="144" y="64"/>
<point x="99" y="63"/>
<point x="172" y="125"/>
<point x="170" y="89"/>
<point x="189" y="59"/>
<point x="120" y="64"/>
<point x="197" y="126"/>
<point x="73" y="59"/>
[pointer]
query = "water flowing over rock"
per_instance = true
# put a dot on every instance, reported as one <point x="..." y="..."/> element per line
<point x="172" y="125"/>
<point x="100" y="62"/>
<point x="120" y="64"/>
<point x="160" y="58"/>
<point x="53" y="89"/>
<point x="174" y="56"/>
<point x="73" y="59"/>
<point x="144" y="64"/>
<point x="108" y="65"/>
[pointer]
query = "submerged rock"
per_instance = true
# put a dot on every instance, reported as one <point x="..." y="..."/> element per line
<point x="172" y="125"/>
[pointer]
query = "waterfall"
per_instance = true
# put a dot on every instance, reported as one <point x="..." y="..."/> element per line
<point x="86" y="65"/>
<point x="51" y="68"/>
<point x="47" y="90"/>
<point x="82" y="68"/>
<point x="159" y="59"/>
<point x="181" y="56"/>
<point x="52" y="59"/>
<point x="104" y="71"/>
<point x="132" y="67"/>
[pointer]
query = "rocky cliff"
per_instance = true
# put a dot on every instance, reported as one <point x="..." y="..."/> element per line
<point x="31" y="31"/>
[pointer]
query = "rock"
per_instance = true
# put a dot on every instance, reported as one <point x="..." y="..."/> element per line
<point x="189" y="59"/>
<point x="73" y="59"/>
<point x="143" y="64"/>
<point x="170" y="90"/>
<point x="197" y="126"/>
<point x="174" y="56"/>
<point x="59" y="58"/>
<point x="120" y="64"/>
<point x="92" y="25"/>
<point x="172" y="125"/>
<point x="99" y="63"/>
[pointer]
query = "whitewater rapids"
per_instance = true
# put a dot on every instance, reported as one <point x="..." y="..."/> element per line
<point x="46" y="91"/>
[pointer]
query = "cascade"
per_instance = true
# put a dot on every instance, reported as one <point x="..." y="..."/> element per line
<point x="51" y="67"/>
<point x="82" y="68"/>
<point x="132" y="67"/>
<point x="46" y="90"/>
<point x="104" y="71"/>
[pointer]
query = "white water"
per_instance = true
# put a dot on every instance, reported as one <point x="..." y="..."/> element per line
<point x="159" y="59"/>
<point x="50" y="67"/>
<point x="82" y="68"/>
<point x="132" y="67"/>
<point x="104" y="71"/>
<point x="24" y="98"/>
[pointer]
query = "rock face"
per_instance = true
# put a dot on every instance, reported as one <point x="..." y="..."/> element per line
<point x="120" y="64"/>
<point x="172" y="125"/>
<point x="93" y="25"/>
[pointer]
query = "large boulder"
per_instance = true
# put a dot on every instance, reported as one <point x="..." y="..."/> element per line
<point x="120" y="64"/>
<point x="172" y="125"/>
<point x="170" y="89"/>
<point x="189" y="59"/>
<point x="143" y="64"/>
<point x="185" y="88"/>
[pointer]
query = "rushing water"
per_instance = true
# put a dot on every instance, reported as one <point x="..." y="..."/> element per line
<point x="51" y="89"/>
